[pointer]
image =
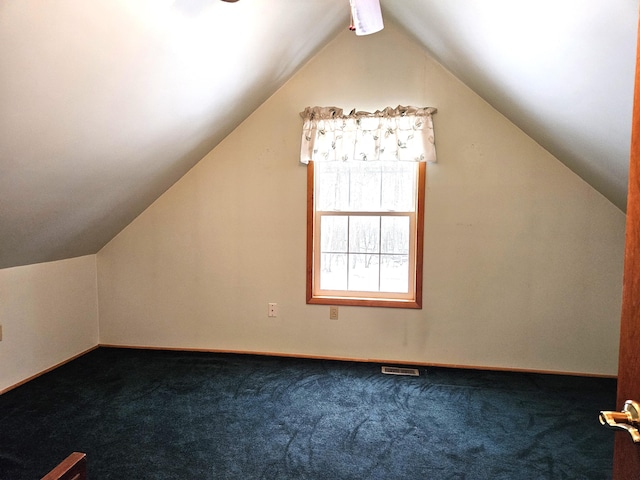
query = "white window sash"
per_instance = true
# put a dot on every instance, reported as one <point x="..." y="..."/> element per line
<point x="319" y="292"/>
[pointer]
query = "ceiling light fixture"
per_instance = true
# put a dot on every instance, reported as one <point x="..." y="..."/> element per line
<point x="366" y="16"/>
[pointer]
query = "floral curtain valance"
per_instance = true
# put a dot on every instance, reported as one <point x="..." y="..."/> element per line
<point x="401" y="133"/>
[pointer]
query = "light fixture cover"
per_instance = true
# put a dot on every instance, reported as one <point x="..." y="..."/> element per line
<point x="367" y="16"/>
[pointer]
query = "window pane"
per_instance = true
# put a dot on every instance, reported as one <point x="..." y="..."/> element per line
<point x="333" y="233"/>
<point x="364" y="234"/>
<point x="364" y="272"/>
<point x="333" y="271"/>
<point x="394" y="273"/>
<point x="399" y="186"/>
<point x="332" y="186"/>
<point x="395" y="234"/>
<point x="366" y="180"/>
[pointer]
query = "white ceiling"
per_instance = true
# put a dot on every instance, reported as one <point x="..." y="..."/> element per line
<point x="106" y="103"/>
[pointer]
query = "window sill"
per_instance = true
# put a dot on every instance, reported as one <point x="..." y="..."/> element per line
<point x="364" y="302"/>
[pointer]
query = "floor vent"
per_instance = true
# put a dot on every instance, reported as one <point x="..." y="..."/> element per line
<point x="401" y="371"/>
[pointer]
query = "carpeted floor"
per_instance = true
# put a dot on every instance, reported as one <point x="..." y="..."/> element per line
<point x="179" y="415"/>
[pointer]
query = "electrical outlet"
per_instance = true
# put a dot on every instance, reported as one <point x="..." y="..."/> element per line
<point x="273" y="310"/>
<point x="333" y="312"/>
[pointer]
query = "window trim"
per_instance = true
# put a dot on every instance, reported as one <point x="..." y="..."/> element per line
<point x="362" y="301"/>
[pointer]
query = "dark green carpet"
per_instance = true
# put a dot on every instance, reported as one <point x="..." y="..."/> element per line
<point x="175" y="415"/>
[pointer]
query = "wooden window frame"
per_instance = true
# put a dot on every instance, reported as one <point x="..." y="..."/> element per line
<point x="361" y="299"/>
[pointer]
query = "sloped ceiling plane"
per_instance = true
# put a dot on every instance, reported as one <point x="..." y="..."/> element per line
<point x="104" y="104"/>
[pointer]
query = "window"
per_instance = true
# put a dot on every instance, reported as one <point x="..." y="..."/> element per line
<point x="365" y="204"/>
<point x="364" y="233"/>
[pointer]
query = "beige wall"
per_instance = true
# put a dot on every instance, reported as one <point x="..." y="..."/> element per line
<point x="523" y="260"/>
<point x="48" y="313"/>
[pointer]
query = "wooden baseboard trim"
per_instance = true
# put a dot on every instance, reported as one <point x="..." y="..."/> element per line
<point x="311" y="357"/>
<point x="32" y="377"/>
<point x="362" y="360"/>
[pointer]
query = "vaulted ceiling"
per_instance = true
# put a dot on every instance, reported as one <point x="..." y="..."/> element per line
<point x="104" y="104"/>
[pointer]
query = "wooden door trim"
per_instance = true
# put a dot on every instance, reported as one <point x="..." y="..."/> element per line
<point x="626" y="458"/>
